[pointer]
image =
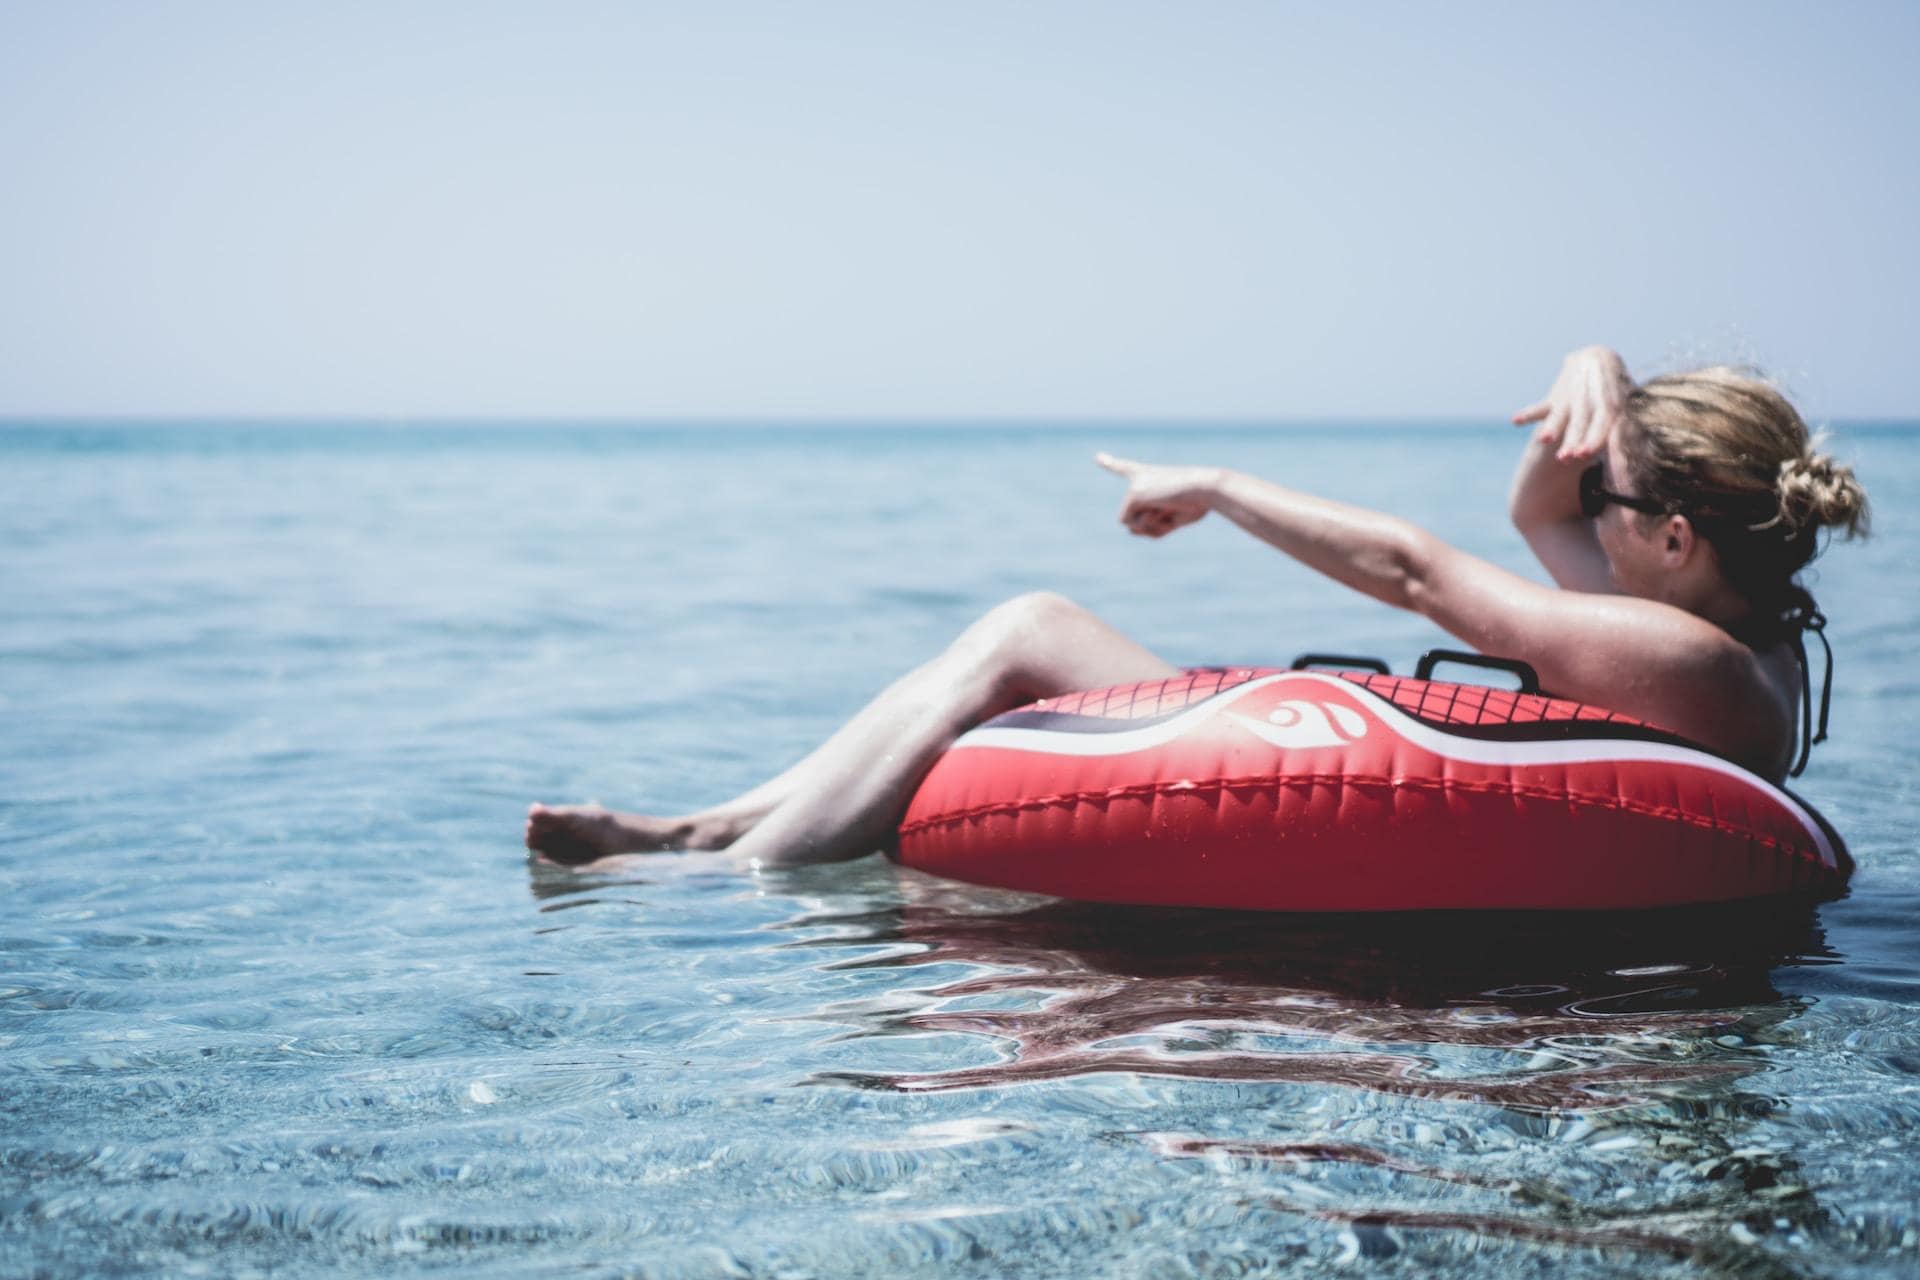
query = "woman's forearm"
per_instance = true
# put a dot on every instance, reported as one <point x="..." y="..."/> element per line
<point x="1382" y="555"/>
<point x="1545" y="491"/>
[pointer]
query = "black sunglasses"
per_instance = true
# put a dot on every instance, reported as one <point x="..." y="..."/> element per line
<point x="1594" y="498"/>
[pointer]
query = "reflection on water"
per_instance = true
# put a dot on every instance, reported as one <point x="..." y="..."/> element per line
<point x="1640" y="1035"/>
<point x="1598" y="1002"/>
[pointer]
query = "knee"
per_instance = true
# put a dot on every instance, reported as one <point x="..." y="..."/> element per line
<point x="1036" y="611"/>
<point x="1008" y="632"/>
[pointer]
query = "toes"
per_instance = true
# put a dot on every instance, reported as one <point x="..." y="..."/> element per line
<point x="540" y="825"/>
<point x="572" y="834"/>
<point x="550" y="835"/>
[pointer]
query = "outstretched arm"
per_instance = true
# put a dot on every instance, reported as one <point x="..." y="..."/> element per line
<point x="1642" y="657"/>
<point x="1367" y="550"/>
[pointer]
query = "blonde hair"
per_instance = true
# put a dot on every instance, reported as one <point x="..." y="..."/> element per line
<point x="1723" y="447"/>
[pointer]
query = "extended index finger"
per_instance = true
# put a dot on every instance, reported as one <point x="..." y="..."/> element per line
<point x="1119" y="466"/>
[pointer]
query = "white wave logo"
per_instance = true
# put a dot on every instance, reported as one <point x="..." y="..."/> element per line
<point x="1297" y="722"/>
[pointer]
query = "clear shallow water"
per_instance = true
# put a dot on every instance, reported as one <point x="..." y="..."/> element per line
<point x="279" y="992"/>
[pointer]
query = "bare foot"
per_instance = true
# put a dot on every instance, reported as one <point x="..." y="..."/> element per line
<point x="578" y="833"/>
<point x="583" y="832"/>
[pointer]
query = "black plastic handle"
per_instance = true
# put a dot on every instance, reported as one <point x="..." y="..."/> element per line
<point x="1529" y="679"/>
<point x="1306" y="660"/>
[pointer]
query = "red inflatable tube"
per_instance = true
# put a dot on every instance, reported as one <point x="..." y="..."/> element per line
<point x="1277" y="790"/>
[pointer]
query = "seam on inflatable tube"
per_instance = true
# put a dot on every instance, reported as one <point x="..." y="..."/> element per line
<point x="1138" y="790"/>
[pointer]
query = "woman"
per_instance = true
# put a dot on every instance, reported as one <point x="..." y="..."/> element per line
<point x="1673" y="517"/>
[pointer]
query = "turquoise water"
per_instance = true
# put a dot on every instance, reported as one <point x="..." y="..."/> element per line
<point x="280" y="993"/>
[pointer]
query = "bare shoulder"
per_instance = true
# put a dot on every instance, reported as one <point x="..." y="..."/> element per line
<point x="1671" y="668"/>
<point x="1649" y="660"/>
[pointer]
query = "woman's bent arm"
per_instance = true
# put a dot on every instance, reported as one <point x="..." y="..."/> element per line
<point x="1571" y="426"/>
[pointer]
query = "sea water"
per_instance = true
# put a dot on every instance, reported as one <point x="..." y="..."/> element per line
<point x="280" y="992"/>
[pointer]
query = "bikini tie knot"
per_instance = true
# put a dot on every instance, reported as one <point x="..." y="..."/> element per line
<point x="1804" y="618"/>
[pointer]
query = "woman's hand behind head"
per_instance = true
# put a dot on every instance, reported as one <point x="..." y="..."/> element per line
<point x="1585" y="406"/>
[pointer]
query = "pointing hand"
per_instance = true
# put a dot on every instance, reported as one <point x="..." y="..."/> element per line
<point x="1161" y="499"/>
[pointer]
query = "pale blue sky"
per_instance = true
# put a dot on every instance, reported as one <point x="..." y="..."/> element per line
<point x="948" y="210"/>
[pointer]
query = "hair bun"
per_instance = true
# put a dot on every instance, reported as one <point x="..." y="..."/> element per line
<point x="1815" y="492"/>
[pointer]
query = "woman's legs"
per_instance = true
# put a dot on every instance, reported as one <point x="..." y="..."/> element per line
<point x="577" y="833"/>
<point x="845" y="798"/>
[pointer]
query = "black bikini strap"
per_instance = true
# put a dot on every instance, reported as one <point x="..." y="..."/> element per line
<point x="1809" y="618"/>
